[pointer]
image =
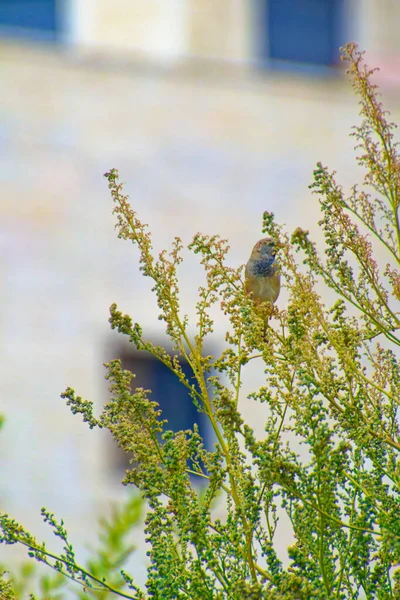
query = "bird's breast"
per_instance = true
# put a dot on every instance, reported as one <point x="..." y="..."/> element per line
<point x="265" y="289"/>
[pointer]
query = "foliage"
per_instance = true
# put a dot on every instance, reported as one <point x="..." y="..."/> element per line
<point x="6" y="588"/>
<point x="331" y="389"/>
<point x="104" y="562"/>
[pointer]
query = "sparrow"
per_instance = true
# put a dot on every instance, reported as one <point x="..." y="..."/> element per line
<point x="262" y="278"/>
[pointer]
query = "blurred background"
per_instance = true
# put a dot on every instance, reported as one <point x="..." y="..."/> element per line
<point x="213" y="111"/>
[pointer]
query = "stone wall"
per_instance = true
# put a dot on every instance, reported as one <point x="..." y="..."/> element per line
<point x="220" y="30"/>
<point x="223" y="30"/>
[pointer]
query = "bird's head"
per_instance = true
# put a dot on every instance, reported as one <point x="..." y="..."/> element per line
<point x="264" y="248"/>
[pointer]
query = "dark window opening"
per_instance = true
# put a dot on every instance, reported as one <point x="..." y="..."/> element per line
<point x="172" y="396"/>
<point x="302" y="31"/>
<point x="29" y="18"/>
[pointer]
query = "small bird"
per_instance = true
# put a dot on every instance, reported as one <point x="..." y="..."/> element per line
<point x="262" y="278"/>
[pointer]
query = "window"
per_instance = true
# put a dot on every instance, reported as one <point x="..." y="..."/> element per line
<point x="172" y="396"/>
<point x="29" y="18"/>
<point x="304" y="31"/>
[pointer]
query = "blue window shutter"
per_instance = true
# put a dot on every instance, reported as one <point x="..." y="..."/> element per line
<point x="29" y="15"/>
<point x="304" y="31"/>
